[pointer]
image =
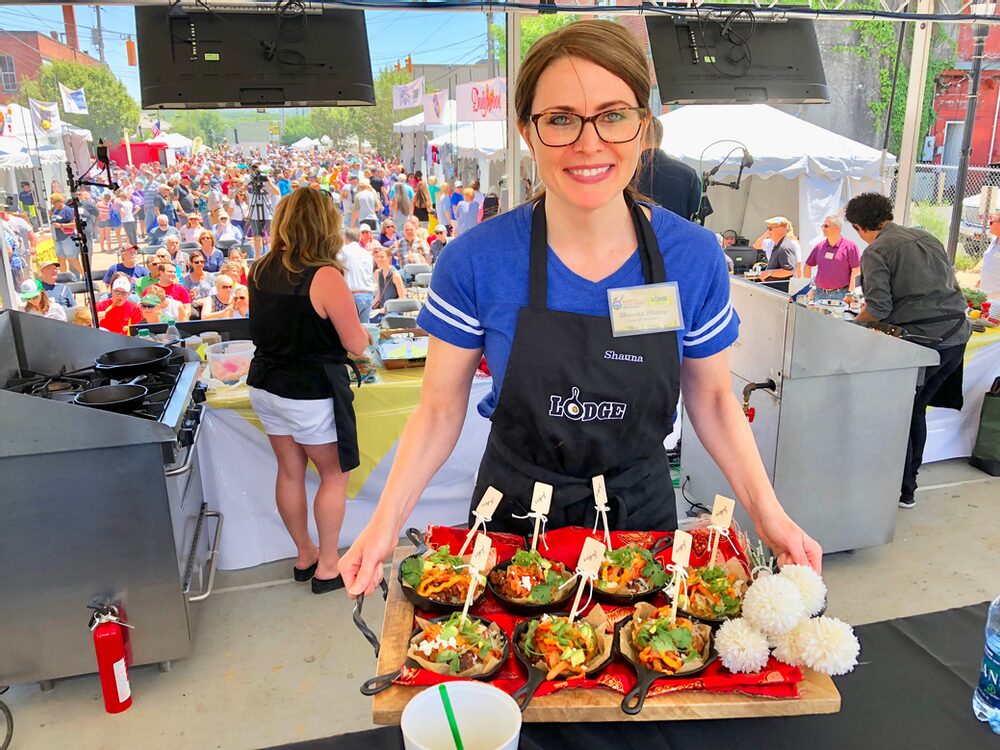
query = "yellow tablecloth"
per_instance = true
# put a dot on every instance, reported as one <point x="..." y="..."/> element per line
<point x="381" y="408"/>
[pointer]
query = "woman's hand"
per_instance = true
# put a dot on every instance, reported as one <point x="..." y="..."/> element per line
<point x="361" y="566"/>
<point x="789" y="542"/>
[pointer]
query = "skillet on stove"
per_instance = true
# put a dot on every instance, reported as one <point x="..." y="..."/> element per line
<point x="120" y="398"/>
<point x="127" y="363"/>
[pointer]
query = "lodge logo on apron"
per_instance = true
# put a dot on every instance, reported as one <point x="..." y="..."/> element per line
<point x="572" y="407"/>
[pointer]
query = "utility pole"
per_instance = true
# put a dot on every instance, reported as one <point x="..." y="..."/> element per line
<point x="979" y="32"/>
<point x="489" y="44"/>
<point x="100" y="36"/>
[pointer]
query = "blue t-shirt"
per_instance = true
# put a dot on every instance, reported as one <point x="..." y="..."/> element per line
<point x="480" y="283"/>
<point x="135" y="272"/>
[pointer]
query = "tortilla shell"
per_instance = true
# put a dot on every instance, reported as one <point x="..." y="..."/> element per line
<point x="643" y="611"/>
<point x="439" y="668"/>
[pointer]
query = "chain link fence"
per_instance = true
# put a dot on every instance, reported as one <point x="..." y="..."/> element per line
<point x="933" y="196"/>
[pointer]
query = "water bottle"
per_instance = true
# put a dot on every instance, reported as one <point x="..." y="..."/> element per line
<point x="986" y="699"/>
<point x="173" y="335"/>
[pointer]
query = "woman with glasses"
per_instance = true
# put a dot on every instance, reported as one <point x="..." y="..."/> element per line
<point x="213" y="256"/>
<point x="199" y="282"/>
<point x="592" y="308"/>
<point x="219" y="304"/>
<point x="236" y="257"/>
<point x="241" y="302"/>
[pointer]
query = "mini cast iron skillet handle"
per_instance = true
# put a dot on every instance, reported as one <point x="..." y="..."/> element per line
<point x="378" y="684"/>
<point x="417" y="539"/>
<point x="359" y="621"/>
<point x="662" y="544"/>
<point x="633" y="701"/>
<point x="523" y="695"/>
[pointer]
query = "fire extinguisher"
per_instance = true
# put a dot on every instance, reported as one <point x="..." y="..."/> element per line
<point x="109" y="645"/>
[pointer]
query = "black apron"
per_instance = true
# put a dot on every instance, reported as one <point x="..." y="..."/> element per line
<point x="950" y="395"/>
<point x="577" y="402"/>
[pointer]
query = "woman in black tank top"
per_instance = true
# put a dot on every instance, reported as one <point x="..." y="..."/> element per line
<point x="303" y="325"/>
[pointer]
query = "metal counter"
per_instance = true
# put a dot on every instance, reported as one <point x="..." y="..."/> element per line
<point x="833" y="432"/>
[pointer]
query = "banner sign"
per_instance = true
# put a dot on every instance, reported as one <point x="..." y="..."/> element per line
<point x="482" y="100"/>
<point x="408" y="95"/>
<point x="74" y="102"/>
<point x="45" y="116"/>
<point x="434" y="107"/>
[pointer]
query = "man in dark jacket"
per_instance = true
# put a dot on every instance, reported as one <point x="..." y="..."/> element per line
<point x="909" y="282"/>
<point x="669" y="182"/>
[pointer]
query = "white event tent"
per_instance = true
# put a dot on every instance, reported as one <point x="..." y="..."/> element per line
<point x="800" y="170"/>
<point x="180" y="143"/>
<point x="305" y="144"/>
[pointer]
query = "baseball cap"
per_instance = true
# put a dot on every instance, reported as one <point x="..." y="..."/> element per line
<point x="364" y="227"/>
<point x="458" y="183"/>
<point x="778" y="220"/>
<point x="30" y="289"/>
<point x="440" y="230"/>
<point x="45" y="263"/>
<point x="121" y="283"/>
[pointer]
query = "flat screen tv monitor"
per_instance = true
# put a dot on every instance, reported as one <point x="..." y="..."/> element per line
<point x="736" y="59"/>
<point x="191" y="58"/>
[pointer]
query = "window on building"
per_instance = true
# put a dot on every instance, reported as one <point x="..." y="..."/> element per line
<point x="8" y="81"/>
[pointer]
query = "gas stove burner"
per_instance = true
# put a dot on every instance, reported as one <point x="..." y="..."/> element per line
<point x="56" y="386"/>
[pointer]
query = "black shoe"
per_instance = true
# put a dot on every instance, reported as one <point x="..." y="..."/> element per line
<point x="304" y="575"/>
<point x="907" y="502"/>
<point x="323" y="585"/>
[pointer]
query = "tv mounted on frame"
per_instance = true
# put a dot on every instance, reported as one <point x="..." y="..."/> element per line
<point x="731" y="57"/>
<point x="191" y="57"/>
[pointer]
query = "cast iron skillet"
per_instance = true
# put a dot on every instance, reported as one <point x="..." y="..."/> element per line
<point x="536" y="675"/>
<point x="524" y="608"/>
<point x="120" y="398"/>
<point x="127" y="363"/>
<point x="384" y="681"/>
<point x="423" y="602"/>
<point x="633" y="701"/>
<point x="629" y="600"/>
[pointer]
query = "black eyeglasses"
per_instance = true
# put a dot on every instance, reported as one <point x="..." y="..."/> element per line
<point x="558" y="129"/>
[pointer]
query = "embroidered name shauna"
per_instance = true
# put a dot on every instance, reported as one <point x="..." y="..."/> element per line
<point x="610" y="354"/>
<point x="585" y="411"/>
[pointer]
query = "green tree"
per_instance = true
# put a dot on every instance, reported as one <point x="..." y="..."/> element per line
<point x="209" y="125"/>
<point x="111" y="108"/>
<point x="374" y="124"/>
<point x="533" y="28"/>
<point x="296" y="128"/>
<point x="335" y="122"/>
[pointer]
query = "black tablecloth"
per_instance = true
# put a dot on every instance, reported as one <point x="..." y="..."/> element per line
<point x="912" y="689"/>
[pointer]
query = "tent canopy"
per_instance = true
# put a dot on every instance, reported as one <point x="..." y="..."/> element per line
<point x="799" y="170"/>
<point x="415" y="123"/>
<point x="305" y="144"/>
<point x="173" y="140"/>
<point x="781" y="144"/>
<point x="15" y="154"/>
<point x="477" y="140"/>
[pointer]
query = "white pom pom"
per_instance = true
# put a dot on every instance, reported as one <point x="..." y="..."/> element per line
<point x="741" y="647"/>
<point x="773" y="605"/>
<point x="809" y="584"/>
<point x="787" y="648"/>
<point x="826" y="644"/>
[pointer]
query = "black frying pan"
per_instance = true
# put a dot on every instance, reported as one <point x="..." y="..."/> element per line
<point x="384" y="681"/>
<point x="635" y="698"/>
<point x="630" y="600"/>
<point x="422" y="602"/>
<point x="118" y="398"/>
<point x="526" y="608"/>
<point x="127" y="363"/>
<point x="536" y="675"/>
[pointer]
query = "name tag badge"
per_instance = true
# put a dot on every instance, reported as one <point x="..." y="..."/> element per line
<point x="829" y="256"/>
<point x="649" y="308"/>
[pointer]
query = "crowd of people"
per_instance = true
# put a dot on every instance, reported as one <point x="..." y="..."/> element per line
<point x="184" y="235"/>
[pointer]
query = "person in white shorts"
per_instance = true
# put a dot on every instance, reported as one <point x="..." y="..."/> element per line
<point x="303" y="324"/>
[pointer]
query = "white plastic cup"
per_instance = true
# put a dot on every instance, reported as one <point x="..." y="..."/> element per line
<point x="487" y="718"/>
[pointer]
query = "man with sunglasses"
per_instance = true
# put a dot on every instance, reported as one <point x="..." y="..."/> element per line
<point x="909" y="282"/>
<point x="989" y="277"/>
<point x="837" y="262"/>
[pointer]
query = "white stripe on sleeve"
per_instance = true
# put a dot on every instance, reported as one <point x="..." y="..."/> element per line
<point x="710" y="324"/>
<point x="453" y="310"/>
<point x="712" y="334"/>
<point x="431" y="308"/>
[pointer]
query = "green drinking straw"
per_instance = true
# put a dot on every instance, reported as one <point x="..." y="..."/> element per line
<point x="446" y="701"/>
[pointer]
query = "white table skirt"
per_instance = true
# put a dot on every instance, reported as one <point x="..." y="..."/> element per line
<point x="238" y="470"/>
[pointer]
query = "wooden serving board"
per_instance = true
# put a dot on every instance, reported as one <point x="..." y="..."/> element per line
<point x="818" y="695"/>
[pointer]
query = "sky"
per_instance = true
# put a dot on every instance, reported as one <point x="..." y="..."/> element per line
<point x="431" y="37"/>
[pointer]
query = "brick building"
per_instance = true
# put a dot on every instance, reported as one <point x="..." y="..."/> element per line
<point x="950" y="99"/>
<point x="23" y="53"/>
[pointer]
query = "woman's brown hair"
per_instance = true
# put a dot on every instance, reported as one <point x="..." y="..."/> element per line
<point x="605" y="43"/>
<point x="306" y="232"/>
